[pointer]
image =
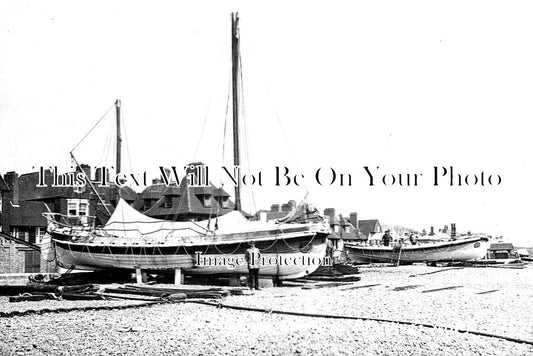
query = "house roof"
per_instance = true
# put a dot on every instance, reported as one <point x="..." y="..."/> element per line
<point x="153" y="191"/>
<point x="368" y="227"/>
<point x="186" y="202"/>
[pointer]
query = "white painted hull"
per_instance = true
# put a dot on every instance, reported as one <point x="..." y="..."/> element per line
<point x="469" y="249"/>
<point x="289" y="262"/>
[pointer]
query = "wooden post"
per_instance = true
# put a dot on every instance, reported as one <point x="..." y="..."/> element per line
<point x="138" y="275"/>
<point x="178" y="277"/>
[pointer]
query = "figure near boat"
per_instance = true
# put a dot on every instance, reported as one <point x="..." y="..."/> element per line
<point x="252" y="256"/>
<point x="387" y="238"/>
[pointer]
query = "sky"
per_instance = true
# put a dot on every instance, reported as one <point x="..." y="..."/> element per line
<point x="405" y="87"/>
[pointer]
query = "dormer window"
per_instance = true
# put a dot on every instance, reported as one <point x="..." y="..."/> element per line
<point x="168" y="201"/>
<point x="223" y="201"/>
<point x="147" y="204"/>
<point x="205" y="199"/>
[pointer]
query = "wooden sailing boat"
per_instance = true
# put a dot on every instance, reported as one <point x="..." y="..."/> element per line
<point x="131" y="240"/>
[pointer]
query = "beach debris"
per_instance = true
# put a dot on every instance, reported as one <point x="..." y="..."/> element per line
<point x="439" y="289"/>
<point x="365" y="286"/>
<point x="411" y="286"/>
<point x="433" y="272"/>
<point x="488" y="291"/>
<point x="326" y="285"/>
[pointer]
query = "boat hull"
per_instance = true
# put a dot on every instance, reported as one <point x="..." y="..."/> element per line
<point x="285" y="258"/>
<point x="470" y="249"/>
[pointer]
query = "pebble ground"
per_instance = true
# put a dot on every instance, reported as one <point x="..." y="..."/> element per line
<point x="192" y="329"/>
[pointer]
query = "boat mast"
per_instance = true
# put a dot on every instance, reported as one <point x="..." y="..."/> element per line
<point x="235" y="84"/>
<point x="119" y="148"/>
<point x="119" y="139"/>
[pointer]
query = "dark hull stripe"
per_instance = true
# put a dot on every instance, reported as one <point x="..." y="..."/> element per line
<point x="280" y="246"/>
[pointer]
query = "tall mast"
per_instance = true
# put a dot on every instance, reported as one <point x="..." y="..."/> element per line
<point x="119" y="149"/>
<point x="119" y="138"/>
<point x="235" y="84"/>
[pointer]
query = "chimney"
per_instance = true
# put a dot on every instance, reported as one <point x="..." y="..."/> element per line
<point x="11" y="178"/>
<point x="156" y="181"/>
<point x="330" y="212"/>
<point x="431" y="231"/>
<point x="86" y="168"/>
<point x="445" y="230"/>
<point x="12" y="181"/>
<point x="275" y="208"/>
<point x="189" y="168"/>
<point x="353" y="220"/>
<point x="98" y="174"/>
<point x="454" y="231"/>
<point x="288" y="206"/>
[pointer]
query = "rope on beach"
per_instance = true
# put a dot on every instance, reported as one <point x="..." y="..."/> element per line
<point x="86" y="308"/>
<point x="349" y="317"/>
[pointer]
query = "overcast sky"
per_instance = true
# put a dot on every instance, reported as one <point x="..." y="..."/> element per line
<point x="403" y="86"/>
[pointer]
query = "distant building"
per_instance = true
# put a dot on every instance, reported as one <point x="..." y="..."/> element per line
<point x="369" y="228"/>
<point x="500" y="250"/>
<point x="343" y="230"/>
<point x="276" y="211"/>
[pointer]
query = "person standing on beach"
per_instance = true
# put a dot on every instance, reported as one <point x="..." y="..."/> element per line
<point x="252" y="256"/>
<point x="412" y="238"/>
<point x="387" y="238"/>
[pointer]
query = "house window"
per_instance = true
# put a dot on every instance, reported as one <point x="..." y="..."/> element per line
<point x="168" y="201"/>
<point x="347" y="229"/>
<point x="20" y="233"/>
<point x="77" y="207"/>
<point x="39" y="234"/>
<point x="83" y="208"/>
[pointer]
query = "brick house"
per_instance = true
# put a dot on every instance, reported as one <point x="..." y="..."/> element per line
<point x="23" y="203"/>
